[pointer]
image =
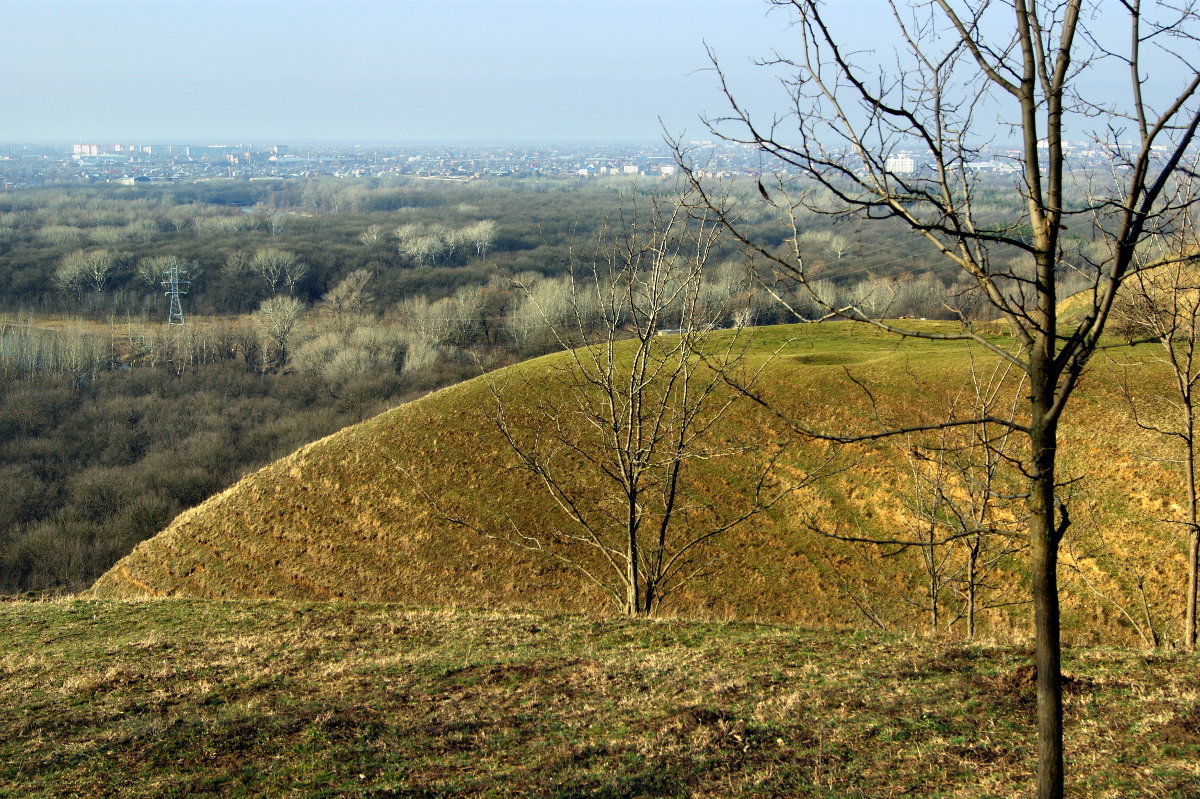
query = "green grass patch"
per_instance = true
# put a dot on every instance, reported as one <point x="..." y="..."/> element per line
<point x="198" y="698"/>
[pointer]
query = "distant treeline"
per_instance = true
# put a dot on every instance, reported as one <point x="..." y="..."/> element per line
<point x="413" y="236"/>
<point x="99" y="250"/>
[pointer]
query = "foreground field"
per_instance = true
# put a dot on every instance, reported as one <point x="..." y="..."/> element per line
<point x="198" y="698"/>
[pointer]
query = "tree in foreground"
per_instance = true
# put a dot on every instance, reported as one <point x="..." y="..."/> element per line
<point x="961" y="71"/>
<point x="619" y="433"/>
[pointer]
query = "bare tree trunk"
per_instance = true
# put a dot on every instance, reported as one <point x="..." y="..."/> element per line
<point x="633" y="605"/>
<point x="1044" y="540"/>
<point x="616" y="424"/>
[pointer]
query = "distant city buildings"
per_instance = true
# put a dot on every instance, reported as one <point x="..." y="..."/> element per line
<point x="137" y="164"/>
<point x="141" y="164"/>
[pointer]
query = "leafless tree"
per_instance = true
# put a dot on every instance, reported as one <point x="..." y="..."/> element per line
<point x="541" y="305"/>
<point x="873" y="297"/>
<point x="424" y="244"/>
<point x="346" y="303"/>
<point x="86" y="270"/>
<point x="62" y="235"/>
<point x="614" y="433"/>
<point x="465" y="316"/>
<point x="958" y="519"/>
<point x="480" y="236"/>
<point x="154" y="270"/>
<point x="276" y="319"/>
<point x="1161" y="304"/>
<point x="372" y="235"/>
<point x="928" y="506"/>
<point x="278" y="268"/>
<point x="967" y="503"/>
<point x="1045" y="69"/>
<point x="838" y="245"/>
<point x="1124" y="583"/>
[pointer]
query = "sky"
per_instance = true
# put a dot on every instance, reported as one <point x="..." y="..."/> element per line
<point x="369" y="71"/>
<point x="405" y="71"/>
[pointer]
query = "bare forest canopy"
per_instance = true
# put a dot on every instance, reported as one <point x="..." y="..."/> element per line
<point x="414" y="237"/>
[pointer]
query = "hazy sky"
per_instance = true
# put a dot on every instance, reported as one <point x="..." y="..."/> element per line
<point x="397" y="71"/>
<point x="368" y="71"/>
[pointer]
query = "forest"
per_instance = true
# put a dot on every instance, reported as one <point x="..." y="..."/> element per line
<point x="308" y="305"/>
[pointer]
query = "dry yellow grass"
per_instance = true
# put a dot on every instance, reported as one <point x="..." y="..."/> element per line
<point x="208" y="698"/>
<point x="343" y="518"/>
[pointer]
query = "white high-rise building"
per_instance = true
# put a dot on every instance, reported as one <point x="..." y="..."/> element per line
<point x="900" y="164"/>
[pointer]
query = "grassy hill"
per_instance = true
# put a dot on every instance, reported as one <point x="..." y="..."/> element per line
<point x="352" y="516"/>
<point x="191" y="698"/>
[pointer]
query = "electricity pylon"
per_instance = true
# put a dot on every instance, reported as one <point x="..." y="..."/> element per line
<point x="176" y="284"/>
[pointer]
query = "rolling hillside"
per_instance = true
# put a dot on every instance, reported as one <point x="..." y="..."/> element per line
<point x="360" y="514"/>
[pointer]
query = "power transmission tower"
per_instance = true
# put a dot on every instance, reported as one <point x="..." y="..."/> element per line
<point x="176" y="284"/>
